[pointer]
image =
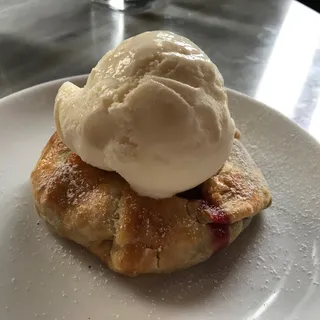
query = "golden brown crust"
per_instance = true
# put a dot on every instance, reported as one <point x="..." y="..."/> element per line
<point x="239" y="190"/>
<point x="134" y="234"/>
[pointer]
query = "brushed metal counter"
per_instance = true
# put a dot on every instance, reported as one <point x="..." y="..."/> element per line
<point x="267" y="49"/>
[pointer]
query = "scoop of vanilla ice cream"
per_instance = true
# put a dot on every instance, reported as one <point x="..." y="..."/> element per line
<point x="154" y="110"/>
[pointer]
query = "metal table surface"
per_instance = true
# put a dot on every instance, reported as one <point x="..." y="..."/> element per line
<point x="267" y="49"/>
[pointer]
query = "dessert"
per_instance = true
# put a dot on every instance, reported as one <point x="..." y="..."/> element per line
<point x="154" y="110"/>
<point x="153" y="113"/>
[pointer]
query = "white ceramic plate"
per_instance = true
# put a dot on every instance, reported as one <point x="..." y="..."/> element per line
<point x="270" y="272"/>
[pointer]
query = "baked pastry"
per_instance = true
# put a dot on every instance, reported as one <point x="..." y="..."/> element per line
<point x="133" y="234"/>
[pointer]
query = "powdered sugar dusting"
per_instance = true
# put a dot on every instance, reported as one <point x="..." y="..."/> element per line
<point x="69" y="176"/>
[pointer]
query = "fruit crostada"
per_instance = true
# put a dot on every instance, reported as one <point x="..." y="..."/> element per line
<point x="133" y="234"/>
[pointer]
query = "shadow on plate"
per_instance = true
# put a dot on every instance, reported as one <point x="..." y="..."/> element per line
<point x="183" y="287"/>
<point x="196" y="283"/>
